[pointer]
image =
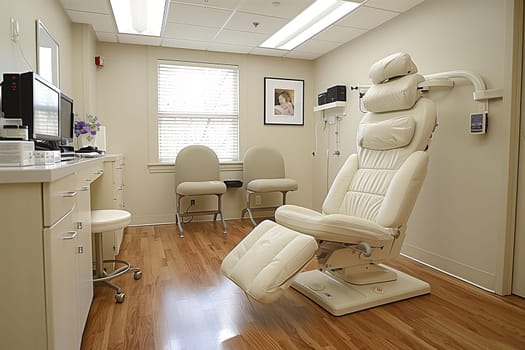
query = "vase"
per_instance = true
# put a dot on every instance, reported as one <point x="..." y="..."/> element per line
<point x="85" y="140"/>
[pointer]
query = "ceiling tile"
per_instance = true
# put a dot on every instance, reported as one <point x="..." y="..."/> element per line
<point x="189" y="32"/>
<point x="398" y="5"/>
<point x="185" y="44"/>
<point x="339" y="34"/>
<point x="244" y="21"/>
<point x="100" y="22"/>
<point x="230" y="48"/>
<point x="221" y="4"/>
<point x="366" y="18"/>
<point x="241" y="38"/>
<point x="286" y="9"/>
<point x="139" y="39"/>
<point x="318" y="46"/>
<point x="96" y="6"/>
<point x="197" y="15"/>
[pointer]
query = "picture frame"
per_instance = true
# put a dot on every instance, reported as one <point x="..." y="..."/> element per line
<point x="47" y="55"/>
<point x="283" y="101"/>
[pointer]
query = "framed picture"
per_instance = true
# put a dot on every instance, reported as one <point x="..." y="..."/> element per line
<point x="283" y="101"/>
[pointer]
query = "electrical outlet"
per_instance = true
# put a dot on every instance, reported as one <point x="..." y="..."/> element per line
<point x="258" y="199"/>
<point x="192" y="202"/>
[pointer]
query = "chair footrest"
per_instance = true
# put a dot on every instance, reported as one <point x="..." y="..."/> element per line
<point x="266" y="261"/>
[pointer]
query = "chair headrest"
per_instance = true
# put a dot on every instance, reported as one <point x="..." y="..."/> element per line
<point x="395" y="95"/>
<point x="395" y="65"/>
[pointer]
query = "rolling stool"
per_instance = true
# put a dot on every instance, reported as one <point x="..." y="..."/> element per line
<point x="105" y="221"/>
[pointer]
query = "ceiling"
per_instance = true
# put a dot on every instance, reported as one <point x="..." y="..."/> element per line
<point x="229" y="25"/>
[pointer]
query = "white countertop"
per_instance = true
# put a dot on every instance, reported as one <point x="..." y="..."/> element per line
<point x="50" y="172"/>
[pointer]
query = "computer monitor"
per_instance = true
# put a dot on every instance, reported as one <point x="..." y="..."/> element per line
<point x="46" y="118"/>
<point x="66" y="118"/>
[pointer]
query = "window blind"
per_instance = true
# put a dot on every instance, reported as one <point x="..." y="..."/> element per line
<point x="198" y="104"/>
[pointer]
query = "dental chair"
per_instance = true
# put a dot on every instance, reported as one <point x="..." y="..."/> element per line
<point x="365" y="213"/>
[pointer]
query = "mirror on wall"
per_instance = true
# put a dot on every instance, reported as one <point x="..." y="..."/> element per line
<point x="47" y="55"/>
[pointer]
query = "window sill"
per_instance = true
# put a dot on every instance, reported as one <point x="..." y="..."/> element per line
<point x="170" y="167"/>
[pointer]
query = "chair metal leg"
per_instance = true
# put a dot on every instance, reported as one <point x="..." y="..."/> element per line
<point x="178" y="217"/>
<point x="101" y="276"/>
<point x="219" y="206"/>
<point x="248" y="209"/>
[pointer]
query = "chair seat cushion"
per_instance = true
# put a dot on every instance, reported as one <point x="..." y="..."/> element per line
<point x="265" y="262"/>
<point x="109" y="220"/>
<point x="272" y="185"/>
<point x="199" y="188"/>
<point x="333" y="227"/>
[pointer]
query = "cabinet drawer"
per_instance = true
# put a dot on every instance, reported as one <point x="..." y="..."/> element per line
<point x="59" y="198"/>
<point x="90" y="174"/>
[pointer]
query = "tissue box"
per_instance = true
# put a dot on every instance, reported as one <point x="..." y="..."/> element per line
<point x="17" y="153"/>
<point x="47" y="157"/>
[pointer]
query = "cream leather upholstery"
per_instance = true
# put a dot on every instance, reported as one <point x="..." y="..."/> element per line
<point x="264" y="173"/>
<point x="264" y="263"/>
<point x="197" y="173"/>
<point x="365" y="213"/>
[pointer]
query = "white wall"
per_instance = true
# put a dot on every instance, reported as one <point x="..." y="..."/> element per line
<point x="459" y="223"/>
<point x="126" y="104"/>
<point x="21" y="56"/>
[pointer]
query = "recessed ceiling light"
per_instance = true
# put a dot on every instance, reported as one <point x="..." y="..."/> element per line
<point x="315" y="18"/>
<point x="143" y="17"/>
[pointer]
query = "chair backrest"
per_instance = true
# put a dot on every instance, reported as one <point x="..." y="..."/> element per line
<point x="196" y="163"/>
<point x="261" y="162"/>
<point x="382" y="181"/>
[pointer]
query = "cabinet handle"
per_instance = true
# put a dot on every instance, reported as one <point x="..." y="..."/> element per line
<point x="84" y="188"/>
<point x="100" y="172"/>
<point x="79" y="225"/>
<point x="70" y="235"/>
<point x="81" y="249"/>
<point x="69" y="194"/>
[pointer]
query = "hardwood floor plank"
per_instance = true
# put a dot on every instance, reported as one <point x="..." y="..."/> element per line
<point x="184" y="302"/>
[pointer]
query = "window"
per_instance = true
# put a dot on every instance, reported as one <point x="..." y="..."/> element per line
<point x="198" y="104"/>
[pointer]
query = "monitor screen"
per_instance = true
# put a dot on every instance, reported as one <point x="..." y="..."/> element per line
<point x="66" y="118"/>
<point x="46" y="119"/>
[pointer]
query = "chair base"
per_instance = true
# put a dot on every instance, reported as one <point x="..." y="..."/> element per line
<point x="340" y="298"/>
<point x="106" y="277"/>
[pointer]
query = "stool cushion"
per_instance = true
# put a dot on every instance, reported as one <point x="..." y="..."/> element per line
<point x="266" y="261"/>
<point x="197" y="188"/>
<point x="109" y="220"/>
<point x="272" y="185"/>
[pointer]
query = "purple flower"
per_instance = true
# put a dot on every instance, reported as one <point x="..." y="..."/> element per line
<point x="90" y="126"/>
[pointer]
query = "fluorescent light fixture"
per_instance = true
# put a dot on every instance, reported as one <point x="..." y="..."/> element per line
<point x="143" y="17"/>
<point x="311" y="21"/>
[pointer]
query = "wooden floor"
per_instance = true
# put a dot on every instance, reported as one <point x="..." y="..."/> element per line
<point x="183" y="302"/>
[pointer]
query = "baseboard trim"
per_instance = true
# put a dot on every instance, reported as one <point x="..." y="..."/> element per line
<point x="470" y="274"/>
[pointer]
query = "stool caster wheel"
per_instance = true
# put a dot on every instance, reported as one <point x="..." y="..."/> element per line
<point x="119" y="297"/>
<point x="137" y="275"/>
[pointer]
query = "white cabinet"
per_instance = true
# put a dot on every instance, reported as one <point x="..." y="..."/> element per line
<point x="108" y="193"/>
<point x="45" y="247"/>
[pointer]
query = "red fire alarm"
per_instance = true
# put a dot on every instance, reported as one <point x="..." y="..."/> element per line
<point x="99" y="61"/>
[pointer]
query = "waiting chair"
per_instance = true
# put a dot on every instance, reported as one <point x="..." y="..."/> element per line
<point x="197" y="173"/>
<point x="264" y="173"/>
<point x="108" y="220"/>
<point x="365" y="213"/>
